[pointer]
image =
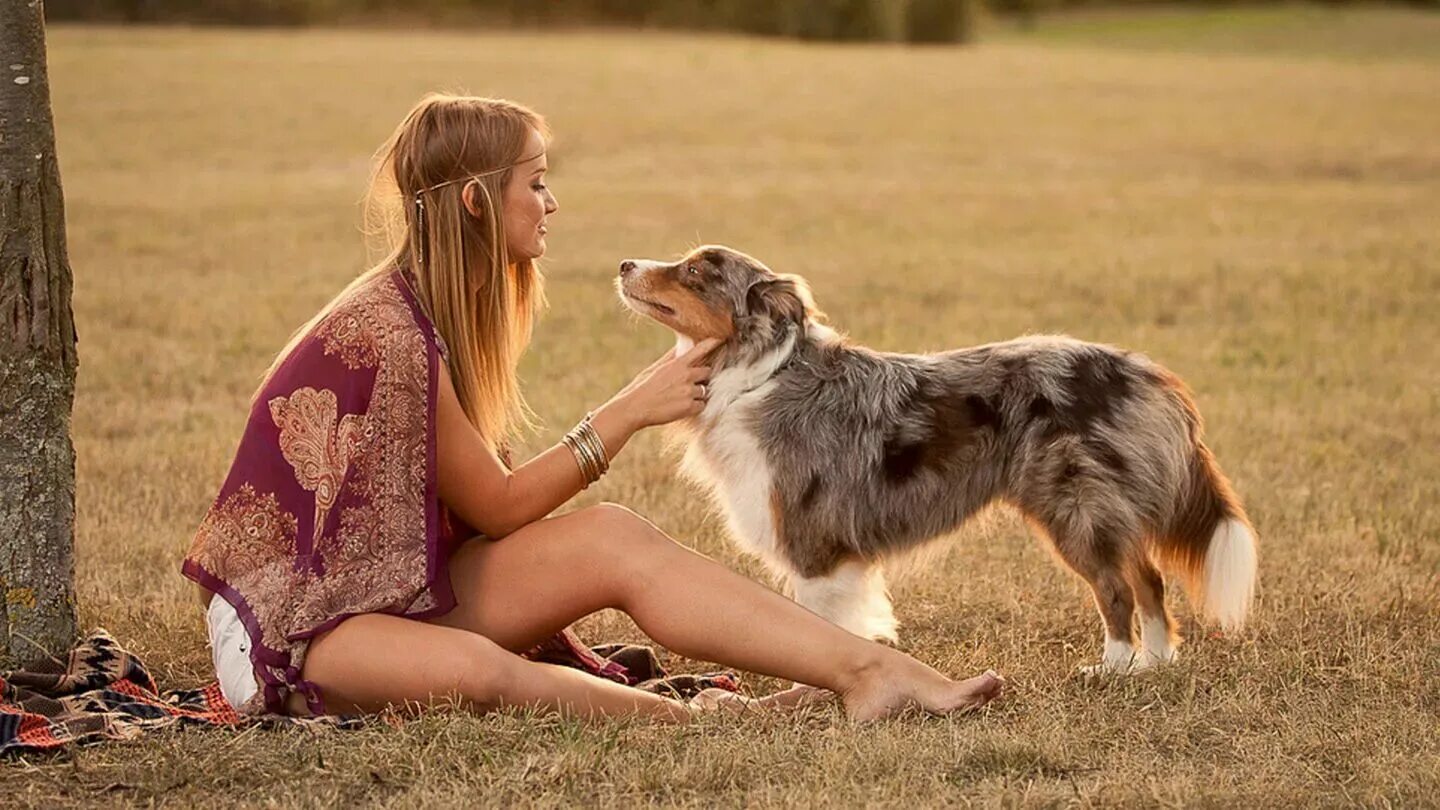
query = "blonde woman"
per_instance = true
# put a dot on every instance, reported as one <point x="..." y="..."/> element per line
<point x="372" y="546"/>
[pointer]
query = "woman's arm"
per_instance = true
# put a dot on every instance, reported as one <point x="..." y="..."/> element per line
<point x="496" y="501"/>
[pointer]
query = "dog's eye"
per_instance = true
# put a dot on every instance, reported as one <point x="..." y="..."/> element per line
<point x="694" y="271"/>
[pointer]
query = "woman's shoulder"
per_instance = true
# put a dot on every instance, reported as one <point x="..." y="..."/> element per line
<point x="381" y="299"/>
<point x="372" y="323"/>
<point x="371" y="320"/>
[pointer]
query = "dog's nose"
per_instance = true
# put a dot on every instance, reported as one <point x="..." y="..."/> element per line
<point x="627" y="267"/>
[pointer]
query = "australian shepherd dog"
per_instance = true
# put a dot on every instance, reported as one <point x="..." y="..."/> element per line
<point x="828" y="458"/>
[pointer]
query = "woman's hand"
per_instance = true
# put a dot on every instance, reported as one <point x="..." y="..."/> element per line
<point x="497" y="500"/>
<point x="671" y="388"/>
<point x="720" y="700"/>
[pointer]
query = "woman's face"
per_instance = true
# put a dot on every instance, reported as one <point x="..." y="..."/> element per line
<point x="526" y="203"/>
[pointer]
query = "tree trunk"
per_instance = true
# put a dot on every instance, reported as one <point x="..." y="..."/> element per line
<point x="37" y="355"/>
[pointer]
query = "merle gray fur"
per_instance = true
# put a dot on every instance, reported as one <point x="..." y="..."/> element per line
<point x="873" y="453"/>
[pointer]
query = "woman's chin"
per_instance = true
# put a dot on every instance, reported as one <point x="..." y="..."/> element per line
<point x="529" y="253"/>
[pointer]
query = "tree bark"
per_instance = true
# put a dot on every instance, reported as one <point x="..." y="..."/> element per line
<point x="37" y="355"/>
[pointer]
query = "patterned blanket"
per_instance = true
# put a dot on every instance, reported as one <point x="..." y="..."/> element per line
<point x="101" y="691"/>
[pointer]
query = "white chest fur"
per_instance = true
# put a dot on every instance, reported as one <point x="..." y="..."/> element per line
<point x="727" y="457"/>
<point x="725" y="454"/>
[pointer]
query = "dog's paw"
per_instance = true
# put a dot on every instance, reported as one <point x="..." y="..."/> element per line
<point x="1119" y="658"/>
<point x="1154" y="658"/>
<point x="1110" y="667"/>
<point x="1139" y="662"/>
<point x="887" y="637"/>
<point x="1104" y="670"/>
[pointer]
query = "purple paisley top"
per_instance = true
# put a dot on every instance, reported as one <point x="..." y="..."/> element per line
<point x="330" y="507"/>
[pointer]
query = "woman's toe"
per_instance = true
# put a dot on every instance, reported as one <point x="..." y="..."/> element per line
<point x="982" y="688"/>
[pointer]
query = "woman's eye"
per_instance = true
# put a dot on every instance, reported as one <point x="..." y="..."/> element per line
<point x="539" y="186"/>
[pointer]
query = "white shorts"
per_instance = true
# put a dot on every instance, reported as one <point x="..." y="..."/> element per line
<point x="230" y="650"/>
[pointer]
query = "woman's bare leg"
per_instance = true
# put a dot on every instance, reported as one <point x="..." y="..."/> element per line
<point x="524" y="588"/>
<point x="373" y="661"/>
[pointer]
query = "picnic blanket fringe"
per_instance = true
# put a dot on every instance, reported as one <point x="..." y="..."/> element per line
<point x="101" y="691"/>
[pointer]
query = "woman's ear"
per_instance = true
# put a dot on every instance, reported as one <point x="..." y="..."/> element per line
<point x="470" y="196"/>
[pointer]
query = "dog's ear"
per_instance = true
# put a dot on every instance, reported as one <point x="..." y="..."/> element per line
<point x="779" y="299"/>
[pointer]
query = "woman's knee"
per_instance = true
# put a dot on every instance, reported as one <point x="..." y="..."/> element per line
<point x="484" y="672"/>
<point x="622" y="526"/>
<point x="614" y="516"/>
<point x="631" y="545"/>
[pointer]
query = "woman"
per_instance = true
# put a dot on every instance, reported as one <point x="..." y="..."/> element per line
<point x="372" y="546"/>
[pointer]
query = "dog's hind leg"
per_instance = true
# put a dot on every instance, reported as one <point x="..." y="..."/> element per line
<point x="1116" y="603"/>
<point x="1070" y="492"/>
<point x="1157" y="629"/>
<point x="851" y="595"/>
<point x="1100" y="556"/>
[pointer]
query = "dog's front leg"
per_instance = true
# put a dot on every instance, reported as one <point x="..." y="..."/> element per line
<point x="853" y="596"/>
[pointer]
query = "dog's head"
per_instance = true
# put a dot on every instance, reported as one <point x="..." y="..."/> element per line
<point x="716" y="292"/>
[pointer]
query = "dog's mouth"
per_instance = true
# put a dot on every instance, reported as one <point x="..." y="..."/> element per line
<point x="655" y="305"/>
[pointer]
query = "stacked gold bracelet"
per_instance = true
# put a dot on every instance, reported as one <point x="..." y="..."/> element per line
<point x="589" y="451"/>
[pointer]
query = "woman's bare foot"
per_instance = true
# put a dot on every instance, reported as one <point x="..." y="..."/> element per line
<point x="884" y="690"/>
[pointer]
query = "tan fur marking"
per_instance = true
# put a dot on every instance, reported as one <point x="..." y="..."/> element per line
<point x="700" y="320"/>
<point x="1209" y="499"/>
<point x="692" y="316"/>
<point x="777" y="517"/>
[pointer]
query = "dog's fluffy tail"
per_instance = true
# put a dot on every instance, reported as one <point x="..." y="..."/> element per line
<point x="1211" y="544"/>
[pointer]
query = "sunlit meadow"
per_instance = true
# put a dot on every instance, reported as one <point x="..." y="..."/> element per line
<point x="1259" y="212"/>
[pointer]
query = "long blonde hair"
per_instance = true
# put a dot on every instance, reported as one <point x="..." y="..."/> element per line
<point x="483" y="305"/>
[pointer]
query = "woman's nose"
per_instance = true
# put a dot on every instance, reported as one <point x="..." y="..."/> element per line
<point x="551" y="204"/>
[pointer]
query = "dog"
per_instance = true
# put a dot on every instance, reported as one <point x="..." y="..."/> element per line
<point x="829" y="458"/>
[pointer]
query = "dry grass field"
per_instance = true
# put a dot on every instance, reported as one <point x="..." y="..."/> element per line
<point x="1265" y="220"/>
